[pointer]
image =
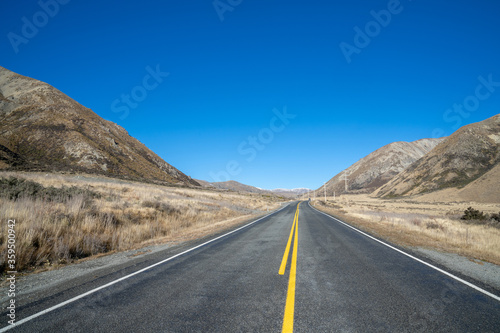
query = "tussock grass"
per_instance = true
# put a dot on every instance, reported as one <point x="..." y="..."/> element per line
<point x="87" y="216"/>
<point x="424" y="224"/>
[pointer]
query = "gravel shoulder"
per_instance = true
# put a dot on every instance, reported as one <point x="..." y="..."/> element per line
<point x="479" y="270"/>
<point x="79" y="277"/>
<point x="34" y="286"/>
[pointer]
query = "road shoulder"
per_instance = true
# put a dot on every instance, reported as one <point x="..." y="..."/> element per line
<point x="92" y="272"/>
<point x="480" y="272"/>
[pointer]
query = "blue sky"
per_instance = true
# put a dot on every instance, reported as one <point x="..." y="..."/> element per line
<point x="270" y="93"/>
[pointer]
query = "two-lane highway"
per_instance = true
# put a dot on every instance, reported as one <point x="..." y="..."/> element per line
<point x="296" y="269"/>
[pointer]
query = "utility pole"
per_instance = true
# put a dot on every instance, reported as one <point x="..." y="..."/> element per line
<point x="345" y="180"/>
<point x="324" y="188"/>
<point x="333" y="195"/>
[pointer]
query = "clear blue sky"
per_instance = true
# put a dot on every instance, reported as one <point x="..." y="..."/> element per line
<point x="229" y="67"/>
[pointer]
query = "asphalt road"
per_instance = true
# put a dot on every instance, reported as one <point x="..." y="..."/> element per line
<point x="344" y="282"/>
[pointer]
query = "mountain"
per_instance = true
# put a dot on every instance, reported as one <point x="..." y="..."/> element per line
<point x="485" y="189"/>
<point x="379" y="167"/>
<point x="471" y="153"/>
<point x="290" y="192"/>
<point x="239" y="187"/>
<point x="42" y="129"/>
<point x="204" y="183"/>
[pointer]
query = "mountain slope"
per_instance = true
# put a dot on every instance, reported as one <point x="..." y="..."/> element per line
<point x="485" y="189"/>
<point x="43" y="129"/>
<point x="468" y="154"/>
<point x="237" y="187"/>
<point x="291" y="192"/>
<point x="379" y="167"/>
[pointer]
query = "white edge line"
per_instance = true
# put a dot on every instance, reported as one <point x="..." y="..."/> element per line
<point x="71" y="300"/>
<point x="414" y="258"/>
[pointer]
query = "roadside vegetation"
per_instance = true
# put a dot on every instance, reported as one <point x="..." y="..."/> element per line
<point x="61" y="219"/>
<point x="445" y="226"/>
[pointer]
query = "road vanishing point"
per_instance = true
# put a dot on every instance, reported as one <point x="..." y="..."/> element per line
<point x="295" y="270"/>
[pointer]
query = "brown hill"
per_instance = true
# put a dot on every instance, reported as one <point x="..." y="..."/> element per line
<point x="379" y="167"/>
<point x="204" y="183"/>
<point x="238" y="187"/>
<point x="233" y="185"/>
<point x="42" y="129"/>
<point x="485" y="189"/>
<point x="469" y="154"/>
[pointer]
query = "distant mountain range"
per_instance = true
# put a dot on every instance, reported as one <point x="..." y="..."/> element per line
<point x="232" y="186"/>
<point x="42" y="129"/>
<point x="239" y="187"/>
<point x="294" y="191"/>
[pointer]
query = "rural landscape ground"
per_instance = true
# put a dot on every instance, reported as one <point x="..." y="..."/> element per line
<point x="84" y="216"/>
<point x="422" y="223"/>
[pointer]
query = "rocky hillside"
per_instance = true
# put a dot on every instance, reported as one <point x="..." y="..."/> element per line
<point x="379" y="167"/>
<point x="237" y="187"/>
<point x="470" y="153"/>
<point x="42" y="129"/>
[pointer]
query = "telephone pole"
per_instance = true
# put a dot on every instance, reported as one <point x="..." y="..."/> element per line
<point x="345" y="180"/>
<point x="324" y="188"/>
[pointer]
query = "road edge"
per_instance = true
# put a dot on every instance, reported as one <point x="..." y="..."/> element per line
<point x="211" y="239"/>
<point x="412" y="256"/>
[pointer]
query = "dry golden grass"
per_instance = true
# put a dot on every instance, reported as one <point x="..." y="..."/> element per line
<point x="435" y="225"/>
<point x="128" y="215"/>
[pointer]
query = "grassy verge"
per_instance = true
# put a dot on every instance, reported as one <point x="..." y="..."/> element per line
<point x="429" y="225"/>
<point x="61" y="219"/>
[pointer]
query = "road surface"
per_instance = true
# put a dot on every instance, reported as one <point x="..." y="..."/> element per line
<point x="334" y="279"/>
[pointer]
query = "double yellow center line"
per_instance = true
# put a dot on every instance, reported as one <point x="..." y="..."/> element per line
<point x="290" y="298"/>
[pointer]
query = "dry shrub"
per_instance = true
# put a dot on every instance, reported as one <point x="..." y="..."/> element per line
<point x="426" y="224"/>
<point x="416" y="221"/>
<point x="434" y="225"/>
<point x="70" y="221"/>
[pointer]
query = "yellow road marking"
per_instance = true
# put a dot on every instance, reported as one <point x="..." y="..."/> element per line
<point x="290" y="298"/>
<point x="287" y="249"/>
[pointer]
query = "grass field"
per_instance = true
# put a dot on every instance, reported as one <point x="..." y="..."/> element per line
<point x="435" y="225"/>
<point x="66" y="218"/>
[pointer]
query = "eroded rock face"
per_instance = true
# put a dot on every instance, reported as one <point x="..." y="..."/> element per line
<point x="43" y="129"/>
